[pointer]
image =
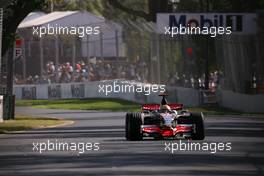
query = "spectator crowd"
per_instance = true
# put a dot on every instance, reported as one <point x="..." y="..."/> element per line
<point x="138" y="70"/>
<point x="100" y="70"/>
<point x="87" y="71"/>
<point x="195" y="81"/>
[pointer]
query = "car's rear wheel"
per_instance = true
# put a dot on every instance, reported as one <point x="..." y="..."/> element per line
<point x="198" y="121"/>
<point x="158" y="137"/>
<point x="133" y="126"/>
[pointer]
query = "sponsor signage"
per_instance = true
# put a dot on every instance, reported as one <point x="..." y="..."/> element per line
<point x="54" y="92"/>
<point x="77" y="90"/>
<point x="29" y="93"/>
<point x="240" y="23"/>
<point x="18" y="52"/>
<point x="18" y="48"/>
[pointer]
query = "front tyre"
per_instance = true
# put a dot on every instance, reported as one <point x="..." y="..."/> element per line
<point x="198" y="121"/>
<point x="133" y="126"/>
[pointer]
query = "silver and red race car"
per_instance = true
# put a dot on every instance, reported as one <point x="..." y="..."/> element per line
<point x="164" y="121"/>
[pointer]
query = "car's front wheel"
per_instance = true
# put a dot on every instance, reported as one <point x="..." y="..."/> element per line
<point x="133" y="126"/>
<point x="198" y="121"/>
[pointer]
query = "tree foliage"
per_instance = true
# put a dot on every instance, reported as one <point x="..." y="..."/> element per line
<point x="14" y="12"/>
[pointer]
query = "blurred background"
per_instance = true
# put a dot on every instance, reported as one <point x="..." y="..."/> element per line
<point x="129" y="46"/>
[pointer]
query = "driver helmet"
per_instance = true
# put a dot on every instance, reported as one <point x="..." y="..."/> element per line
<point x="165" y="107"/>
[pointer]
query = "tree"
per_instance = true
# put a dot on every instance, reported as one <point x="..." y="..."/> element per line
<point x="14" y="12"/>
<point x="154" y="7"/>
<point x="164" y="6"/>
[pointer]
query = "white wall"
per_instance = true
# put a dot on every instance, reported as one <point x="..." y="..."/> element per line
<point x="187" y="96"/>
<point x="242" y="102"/>
<point x="1" y="107"/>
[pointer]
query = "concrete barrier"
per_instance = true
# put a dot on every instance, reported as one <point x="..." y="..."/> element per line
<point x="187" y="96"/>
<point x="1" y="108"/>
<point x="242" y="102"/>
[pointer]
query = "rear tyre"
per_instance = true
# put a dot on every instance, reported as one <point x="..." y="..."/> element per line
<point x="133" y="126"/>
<point x="158" y="137"/>
<point x="126" y="126"/>
<point x="198" y="121"/>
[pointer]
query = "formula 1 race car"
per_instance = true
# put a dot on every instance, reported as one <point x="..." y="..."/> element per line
<point x="164" y="121"/>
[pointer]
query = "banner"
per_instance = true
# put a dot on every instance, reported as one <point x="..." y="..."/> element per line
<point x="240" y="23"/>
<point x="77" y="90"/>
<point x="29" y="93"/>
<point x="54" y="91"/>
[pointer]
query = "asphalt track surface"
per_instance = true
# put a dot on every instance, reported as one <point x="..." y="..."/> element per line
<point x="117" y="156"/>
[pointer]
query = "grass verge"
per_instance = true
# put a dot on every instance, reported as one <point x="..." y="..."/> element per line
<point x="114" y="105"/>
<point x="21" y="123"/>
<point x="82" y="104"/>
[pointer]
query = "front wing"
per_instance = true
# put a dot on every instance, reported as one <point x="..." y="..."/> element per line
<point x="180" y="130"/>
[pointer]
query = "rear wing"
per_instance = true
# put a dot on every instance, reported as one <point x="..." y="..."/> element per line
<point x="152" y="107"/>
<point x="176" y="106"/>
